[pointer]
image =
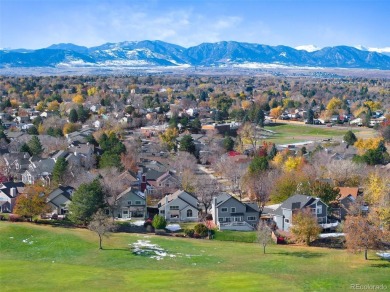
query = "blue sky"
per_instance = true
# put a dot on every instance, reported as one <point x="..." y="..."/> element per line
<point x="36" y="24"/>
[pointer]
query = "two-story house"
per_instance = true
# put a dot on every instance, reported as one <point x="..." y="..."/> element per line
<point x="283" y="213"/>
<point x="179" y="206"/>
<point x="130" y="203"/>
<point x="9" y="191"/>
<point x="231" y="214"/>
<point x="59" y="200"/>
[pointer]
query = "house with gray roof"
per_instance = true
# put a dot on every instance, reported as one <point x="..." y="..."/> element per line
<point x="130" y="203"/>
<point x="283" y="213"/>
<point x="9" y="191"/>
<point x="231" y="214"/>
<point x="59" y="199"/>
<point x="179" y="206"/>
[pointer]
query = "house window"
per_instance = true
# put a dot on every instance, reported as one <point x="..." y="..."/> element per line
<point x="233" y="209"/>
<point x="228" y="219"/>
<point x="189" y="213"/>
<point x="125" y="212"/>
<point x="251" y="218"/>
<point x="162" y="211"/>
<point x="319" y="209"/>
<point x="286" y="220"/>
<point x="173" y="207"/>
<point x="128" y="202"/>
<point x="220" y="219"/>
<point x="138" y="202"/>
<point x="174" y="216"/>
<point x="224" y="209"/>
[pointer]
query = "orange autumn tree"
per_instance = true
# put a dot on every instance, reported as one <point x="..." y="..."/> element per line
<point x="32" y="202"/>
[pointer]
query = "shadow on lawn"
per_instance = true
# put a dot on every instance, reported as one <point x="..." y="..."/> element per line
<point x="115" y="249"/>
<point x="298" y="254"/>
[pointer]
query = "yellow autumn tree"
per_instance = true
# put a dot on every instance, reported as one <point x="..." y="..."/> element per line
<point x="40" y="106"/>
<point x="14" y="103"/>
<point x="168" y="138"/>
<point x="92" y="91"/>
<point x="334" y="103"/>
<point x="363" y="145"/>
<point x="276" y="112"/>
<point x="377" y="194"/>
<point x="246" y="104"/>
<point x="373" y="105"/>
<point x="293" y="163"/>
<point x="53" y="106"/>
<point x="278" y="160"/>
<point x="78" y="98"/>
<point x="70" y="128"/>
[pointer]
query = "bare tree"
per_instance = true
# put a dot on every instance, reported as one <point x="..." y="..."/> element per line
<point x="264" y="235"/>
<point x="259" y="186"/>
<point x="102" y="225"/>
<point x="205" y="189"/>
<point x="112" y="187"/>
<point x="185" y="166"/>
<point x="234" y="173"/>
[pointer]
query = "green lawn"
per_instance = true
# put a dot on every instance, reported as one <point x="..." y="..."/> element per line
<point x="66" y="259"/>
<point x="292" y="133"/>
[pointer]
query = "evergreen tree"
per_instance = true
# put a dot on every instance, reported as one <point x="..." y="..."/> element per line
<point x="187" y="144"/>
<point x="82" y="114"/>
<point x="258" y="164"/>
<point x="86" y="201"/>
<point x="35" y="146"/>
<point x="59" y="169"/>
<point x="272" y="153"/>
<point x="260" y="118"/>
<point x="350" y="138"/>
<point x="310" y="116"/>
<point x="32" y="130"/>
<point x="73" y="116"/>
<point x="25" y="148"/>
<point x="228" y="143"/>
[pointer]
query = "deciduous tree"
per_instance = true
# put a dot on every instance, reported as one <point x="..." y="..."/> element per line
<point x="361" y="234"/>
<point x="304" y="226"/>
<point x="264" y="235"/>
<point x="31" y="202"/>
<point x="102" y="225"/>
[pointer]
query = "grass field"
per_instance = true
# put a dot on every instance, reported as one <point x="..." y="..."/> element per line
<point x="294" y="133"/>
<point x="45" y="258"/>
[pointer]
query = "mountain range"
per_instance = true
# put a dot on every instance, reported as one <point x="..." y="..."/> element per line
<point x="220" y="54"/>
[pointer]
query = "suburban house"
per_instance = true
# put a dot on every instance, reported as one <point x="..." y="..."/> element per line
<point x="165" y="183"/>
<point x="348" y="196"/>
<point x="16" y="164"/>
<point x="59" y="200"/>
<point x="179" y="206"/>
<point x="231" y="214"/>
<point x="9" y="191"/>
<point x="84" y="153"/>
<point x="130" y="203"/>
<point x="283" y="213"/>
<point x="41" y="169"/>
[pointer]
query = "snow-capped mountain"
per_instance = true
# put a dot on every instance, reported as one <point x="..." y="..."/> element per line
<point x="233" y="54"/>
<point x="308" y="48"/>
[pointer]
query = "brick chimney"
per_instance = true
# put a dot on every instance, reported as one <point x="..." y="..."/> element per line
<point x="143" y="183"/>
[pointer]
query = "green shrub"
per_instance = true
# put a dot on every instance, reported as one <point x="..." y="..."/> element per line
<point x="201" y="230"/>
<point x="189" y="232"/>
<point x="159" y="222"/>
